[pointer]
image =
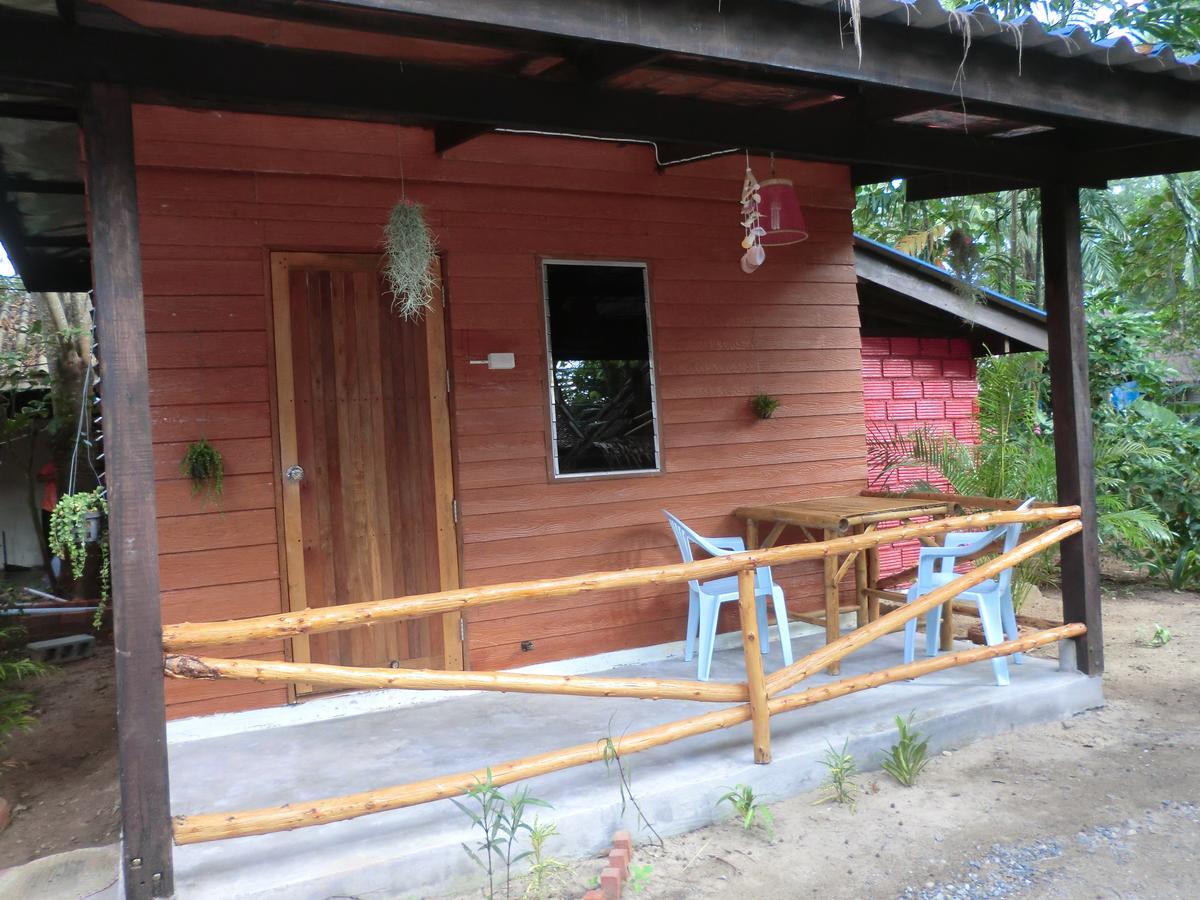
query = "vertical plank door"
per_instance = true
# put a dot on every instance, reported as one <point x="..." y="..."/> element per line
<point x="362" y="413"/>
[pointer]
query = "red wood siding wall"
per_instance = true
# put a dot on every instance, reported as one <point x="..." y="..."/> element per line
<point x="219" y="190"/>
<point x="908" y="384"/>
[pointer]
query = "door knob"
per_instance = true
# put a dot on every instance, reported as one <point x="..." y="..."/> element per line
<point x="294" y="474"/>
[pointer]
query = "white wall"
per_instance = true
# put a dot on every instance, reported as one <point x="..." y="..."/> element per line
<point x="15" y="522"/>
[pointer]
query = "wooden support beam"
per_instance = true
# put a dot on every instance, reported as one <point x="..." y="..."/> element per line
<point x="1066" y="330"/>
<point x="194" y="71"/>
<point x="39" y="186"/>
<point x="120" y="323"/>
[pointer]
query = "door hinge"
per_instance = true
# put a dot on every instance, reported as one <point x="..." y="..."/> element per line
<point x="462" y="629"/>
<point x="454" y="510"/>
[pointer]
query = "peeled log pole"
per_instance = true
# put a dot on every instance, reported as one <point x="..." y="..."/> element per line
<point x="188" y="635"/>
<point x="436" y="680"/>
<point x="832" y="652"/>
<point x="760" y="716"/>
<point x="219" y="826"/>
<point x="857" y="683"/>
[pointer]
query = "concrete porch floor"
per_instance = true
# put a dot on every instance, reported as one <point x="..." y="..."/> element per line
<point x="410" y="852"/>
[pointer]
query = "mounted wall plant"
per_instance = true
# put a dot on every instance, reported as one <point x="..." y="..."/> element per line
<point x="764" y="405"/>
<point x="411" y="249"/>
<point x="202" y="463"/>
<point x="78" y="522"/>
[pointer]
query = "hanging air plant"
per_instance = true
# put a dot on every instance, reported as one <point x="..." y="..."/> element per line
<point x="410" y="256"/>
<point x="202" y="463"/>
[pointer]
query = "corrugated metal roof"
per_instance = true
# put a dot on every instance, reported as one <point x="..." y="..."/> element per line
<point x="1025" y="33"/>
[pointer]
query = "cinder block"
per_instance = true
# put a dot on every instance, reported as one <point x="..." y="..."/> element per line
<point x="873" y="367"/>
<point x="935" y="347"/>
<point x="901" y="409"/>
<point x="894" y="367"/>
<point x="960" y="409"/>
<point x="875" y="409"/>
<point x="594" y="894"/>
<point x="930" y="409"/>
<point x="965" y="388"/>
<point x="937" y="388"/>
<point x="875" y="347"/>
<point x="62" y="649"/>
<point x="960" y="348"/>
<point x="905" y="346"/>
<point x="906" y="389"/>
<point x="877" y="389"/>
<point x="958" y="368"/>
<point x="967" y="430"/>
<point x="926" y="368"/>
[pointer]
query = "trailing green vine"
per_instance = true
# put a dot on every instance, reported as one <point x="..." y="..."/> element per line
<point x="203" y="464"/>
<point x="71" y="534"/>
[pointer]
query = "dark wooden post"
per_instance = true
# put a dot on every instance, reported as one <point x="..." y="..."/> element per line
<point x="129" y="475"/>
<point x="1067" y="332"/>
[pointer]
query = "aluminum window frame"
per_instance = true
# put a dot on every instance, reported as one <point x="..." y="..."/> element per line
<point x="556" y="474"/>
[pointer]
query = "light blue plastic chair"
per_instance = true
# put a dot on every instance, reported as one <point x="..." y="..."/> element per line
<point x="705" y="598"/>
<point x="993" y="597"/>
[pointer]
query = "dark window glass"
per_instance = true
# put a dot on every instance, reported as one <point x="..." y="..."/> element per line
<point x="600" y="368"/>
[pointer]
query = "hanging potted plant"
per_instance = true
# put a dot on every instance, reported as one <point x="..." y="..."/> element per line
<point x="203" y="464"/>
<point x="78" y="523"/>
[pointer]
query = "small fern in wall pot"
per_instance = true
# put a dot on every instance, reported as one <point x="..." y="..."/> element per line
<point x="764" y="405"/>
<point x="203" y="464"/>
<point x="411" y="248"/>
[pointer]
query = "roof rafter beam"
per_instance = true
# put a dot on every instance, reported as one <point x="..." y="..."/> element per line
<point x="776" y="35"/>
<point x="12" y="185"/>
<point x="229" y="74"/>
<point x="37" y="111"/>
<point x="596" y="66"/>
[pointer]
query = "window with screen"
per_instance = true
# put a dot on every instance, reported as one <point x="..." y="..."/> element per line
<point x="601" y="368"/>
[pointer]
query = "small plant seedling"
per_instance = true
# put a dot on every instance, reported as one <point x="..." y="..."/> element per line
<point x="750" y="809"/>
<point x="764" y="405"/>
<point x="1161" y="636"/>
<point x="547" y="875"/>
<point x="501" y="820"/>
<point x="842" y="787"/>
<point x="612" y="759"/>
<point x="907" y="757"/>
<point x="638" y="876"/>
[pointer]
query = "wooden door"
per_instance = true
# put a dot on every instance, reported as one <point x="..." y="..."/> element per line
<point x="363" y="413"/>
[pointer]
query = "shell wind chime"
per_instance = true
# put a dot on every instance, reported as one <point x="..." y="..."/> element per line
<point x="751" y="214"/>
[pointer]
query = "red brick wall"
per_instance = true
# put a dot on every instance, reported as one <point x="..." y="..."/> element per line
<point x="911" y="383"/>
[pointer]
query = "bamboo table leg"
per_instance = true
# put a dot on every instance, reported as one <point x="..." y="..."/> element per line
<point x="947" y="626"/>
<point x="873" y="581"/>
<point x="832" y="603"/>
<point x="751" y="534"/>
<point x="947" y="630"/>
<point x="861" y="584"/>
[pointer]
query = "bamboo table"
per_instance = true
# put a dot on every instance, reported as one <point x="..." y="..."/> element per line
<point x="833" y="517"/>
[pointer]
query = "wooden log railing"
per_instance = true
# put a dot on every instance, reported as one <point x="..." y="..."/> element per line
<point x="758" y="698"/>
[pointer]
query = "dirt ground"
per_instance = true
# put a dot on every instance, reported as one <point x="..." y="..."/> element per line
<point x="1106" y="804"/>
<point x="61" y="777"/>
